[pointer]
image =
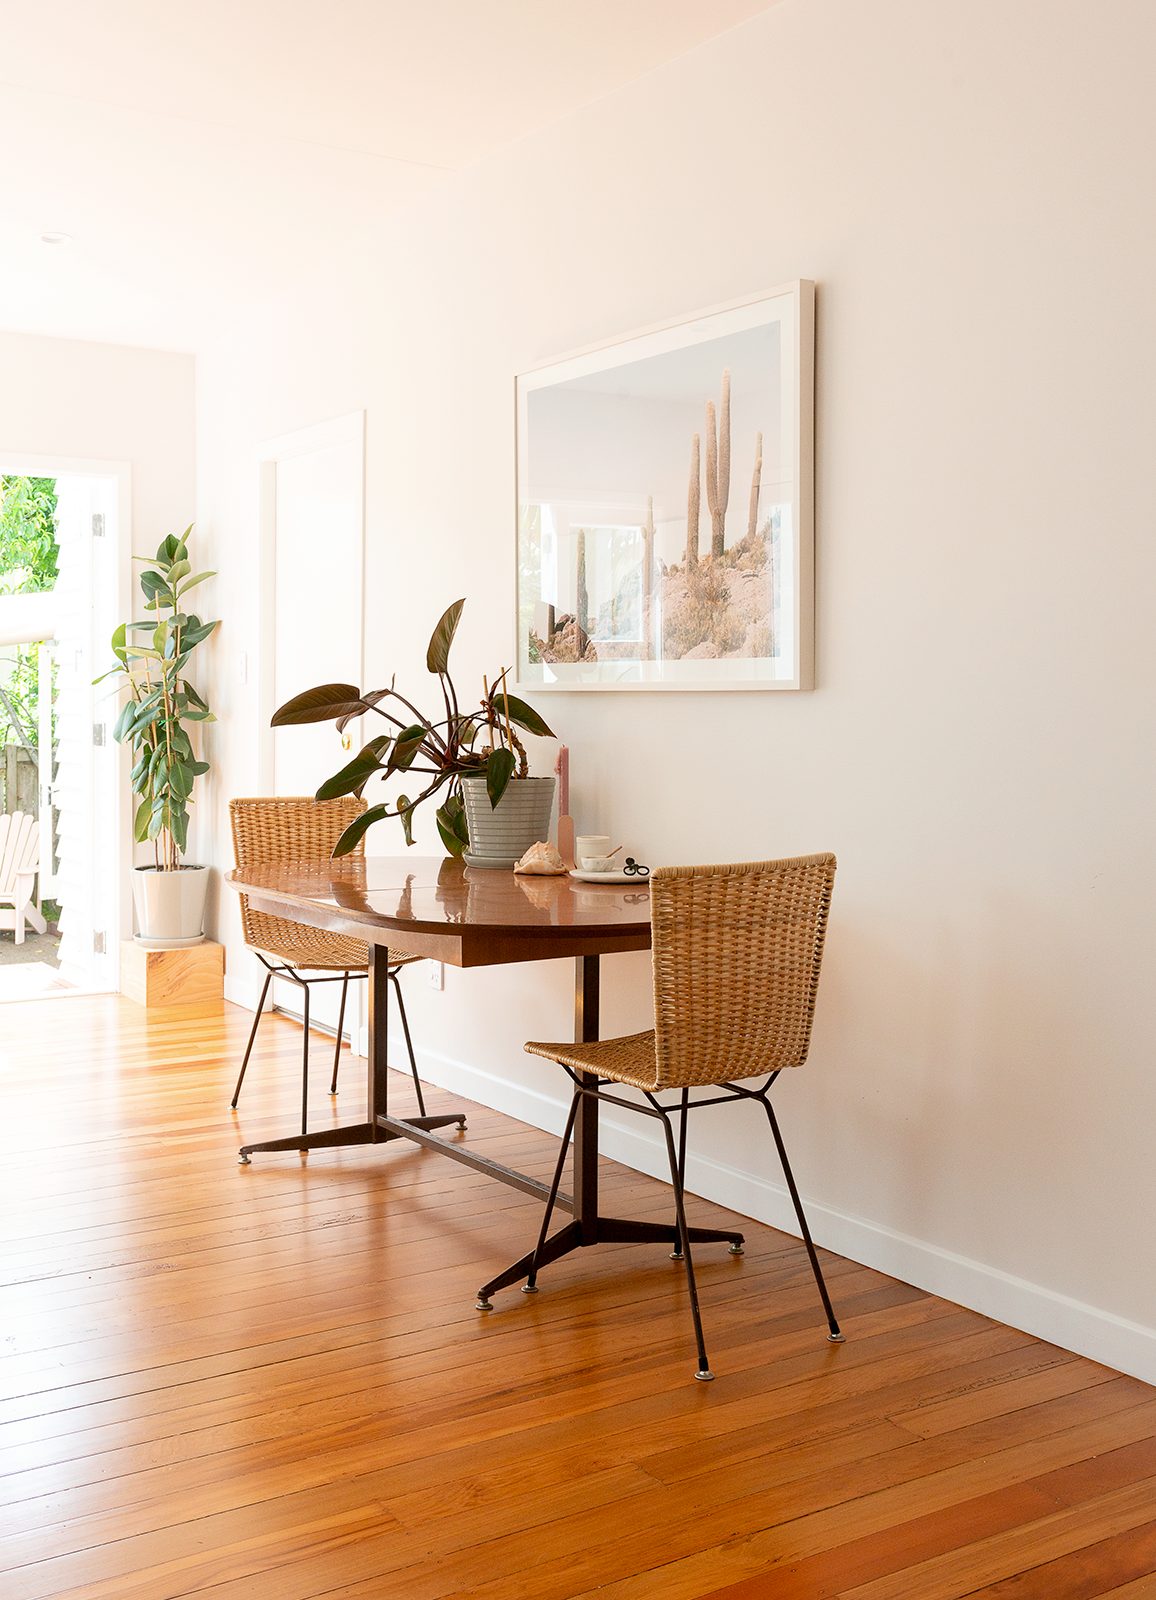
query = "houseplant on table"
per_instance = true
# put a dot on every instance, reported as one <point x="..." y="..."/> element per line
<point x="152" y="661"/>
<point x="492" y="809"/>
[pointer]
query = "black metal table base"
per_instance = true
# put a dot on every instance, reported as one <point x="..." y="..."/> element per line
<point x="354" y="1133"/>
<point x="606" y="1230"/>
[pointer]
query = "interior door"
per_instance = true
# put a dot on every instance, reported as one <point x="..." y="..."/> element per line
<point x="319" y="552"/>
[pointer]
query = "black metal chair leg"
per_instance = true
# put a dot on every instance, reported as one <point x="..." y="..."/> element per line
<point x="676" y="1253"/>
<point x="252" y="1036"/>
<point x="340" y="1025"/>
<point x="531" y="1284"/>
<point x="704" y="1374"/>
<point x="835" y="1336"/>
<point x="305" y="1066"/>
<point x="394" y="979"/>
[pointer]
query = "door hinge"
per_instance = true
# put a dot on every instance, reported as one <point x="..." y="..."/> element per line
<point x="98" y="524"/>
<point x="98" y="733"/>
<point x="98" y="944"/>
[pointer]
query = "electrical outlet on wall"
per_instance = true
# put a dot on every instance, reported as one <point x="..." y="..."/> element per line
<point x="436" y="974"/>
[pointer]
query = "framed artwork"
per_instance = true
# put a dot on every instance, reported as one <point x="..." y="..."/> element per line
<point x="665" y="536"/>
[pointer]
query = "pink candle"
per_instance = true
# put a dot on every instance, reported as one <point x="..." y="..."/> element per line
<point x="562" y="768"/>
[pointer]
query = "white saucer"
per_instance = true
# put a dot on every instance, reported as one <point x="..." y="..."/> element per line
<point x="635" y="878"/>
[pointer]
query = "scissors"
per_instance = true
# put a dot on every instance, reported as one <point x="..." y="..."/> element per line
<point x="635" y="869"/>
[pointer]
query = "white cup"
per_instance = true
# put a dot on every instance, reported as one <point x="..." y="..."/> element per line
<point x="591" y="844"/>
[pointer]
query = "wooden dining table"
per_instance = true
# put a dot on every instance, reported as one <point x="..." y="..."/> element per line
<point x="468" y="917"/>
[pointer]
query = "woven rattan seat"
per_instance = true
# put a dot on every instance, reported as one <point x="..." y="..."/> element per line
<point x="314" y="950"/>
<point x="290" y="829"/>
<point x="627" y="1060"/>
<point x="737" y="951"/>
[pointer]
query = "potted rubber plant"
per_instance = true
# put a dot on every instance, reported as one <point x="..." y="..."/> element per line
<point x="152" y="666"/>
<point x="491" y="809"/>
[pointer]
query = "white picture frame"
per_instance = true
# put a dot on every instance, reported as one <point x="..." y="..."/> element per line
<point x="613" y="594"/>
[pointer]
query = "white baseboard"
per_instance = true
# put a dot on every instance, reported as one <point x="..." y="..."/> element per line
<point x="1073" y="1324"/>
<point x="243" y="991"/>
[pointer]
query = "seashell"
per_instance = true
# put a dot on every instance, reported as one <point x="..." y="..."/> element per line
<point x="542" y="861"/>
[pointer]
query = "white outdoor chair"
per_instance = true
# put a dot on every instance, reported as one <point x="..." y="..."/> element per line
<point x="19" y="864"/>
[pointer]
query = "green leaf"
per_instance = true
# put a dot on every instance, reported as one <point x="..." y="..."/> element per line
<point x="353" y="835"/>
<point x="121" y="726"/>
<point x="118" y="644"/>
<point x="192" y="582"/>
<point x="179" y="828"/>
<point x="180" y="780"/>
<point x="140" y="827"/>
<point x="195" y="632"/>
<point x="405" y="748"/>
<point x="405" y="812"/>
<point x="451" y="821"/>
<point x="152" y="583"/>
<point x="499" y="770"/>
<point x="173" y="548"/>
<point x="355" y="774"/>
<point x="522" y="715"/>
<point x="437" y="656"/>
<point x="322" y="704"/>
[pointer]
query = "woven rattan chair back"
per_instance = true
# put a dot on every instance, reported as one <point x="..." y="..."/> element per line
<point x="737" y="951"/>
<point x="288" y="828"/>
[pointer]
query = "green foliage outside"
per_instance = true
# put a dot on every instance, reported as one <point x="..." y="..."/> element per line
<point x="28" y="565"/>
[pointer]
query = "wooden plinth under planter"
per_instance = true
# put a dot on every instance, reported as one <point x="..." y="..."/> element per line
<point x="174" y="979"/>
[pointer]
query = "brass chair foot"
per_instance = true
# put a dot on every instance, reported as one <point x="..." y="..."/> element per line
<point x="705" y="1376"/>
<point x="737" y="1250"/>
<point x="482" y="1304"/>
<point x="836" y="1338"/>
<point x="529" y="1288"/>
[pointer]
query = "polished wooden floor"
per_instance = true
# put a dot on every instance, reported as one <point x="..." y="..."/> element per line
<point x="270" y="1383"/>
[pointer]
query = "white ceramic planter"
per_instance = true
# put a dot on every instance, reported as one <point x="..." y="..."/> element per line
<point x="501" y="834"/>
<point x="170" y="906"/>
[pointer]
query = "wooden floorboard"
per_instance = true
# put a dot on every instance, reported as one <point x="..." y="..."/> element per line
<point x="270" y="1383"/>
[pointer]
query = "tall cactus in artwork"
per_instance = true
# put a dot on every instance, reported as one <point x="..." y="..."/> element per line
<point x="756" y="485"/>
<point x="583" y="592"/>
<point x="693" y="506"/>
<point x="648" y="531"/>
<point x="718" y="465"/>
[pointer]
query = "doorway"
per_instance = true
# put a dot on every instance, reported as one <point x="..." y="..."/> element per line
<point x="63" y="530"/>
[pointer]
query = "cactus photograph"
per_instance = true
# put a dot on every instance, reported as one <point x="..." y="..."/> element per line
<point x="664" y="507"/>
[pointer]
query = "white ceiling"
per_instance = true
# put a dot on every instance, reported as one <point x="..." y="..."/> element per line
<point x="204" y="154"/>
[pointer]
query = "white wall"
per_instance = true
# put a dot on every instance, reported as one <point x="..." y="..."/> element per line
<point x="969" y="187"/>
<point x="66" y="397"/>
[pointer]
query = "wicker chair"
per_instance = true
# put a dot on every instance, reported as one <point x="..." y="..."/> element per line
<point x="737" y="951"/>
<point x="299" y="828"/>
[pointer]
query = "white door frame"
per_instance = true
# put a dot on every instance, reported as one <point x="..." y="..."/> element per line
<point x="119" y="601"/>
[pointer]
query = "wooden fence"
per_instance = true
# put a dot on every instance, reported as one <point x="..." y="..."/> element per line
<point x="20" y="778"/>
